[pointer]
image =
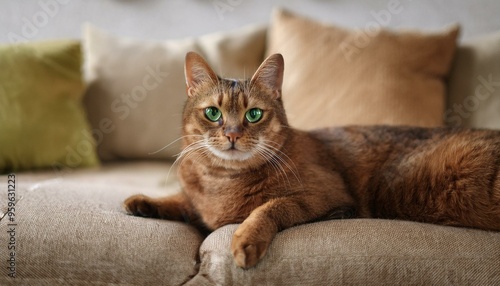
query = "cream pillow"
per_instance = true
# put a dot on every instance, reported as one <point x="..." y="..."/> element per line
<point x="474" y="98"/>
<point x="137" y="88"/>
<point x="335" y="76"/>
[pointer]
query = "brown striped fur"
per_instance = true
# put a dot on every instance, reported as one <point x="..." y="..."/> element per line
<point x="276" y="177"/>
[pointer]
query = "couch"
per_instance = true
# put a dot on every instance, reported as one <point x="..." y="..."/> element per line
<point x="68" y="226"/>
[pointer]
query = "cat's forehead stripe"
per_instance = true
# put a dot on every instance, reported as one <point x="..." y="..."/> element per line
<point x="231" y="95"/>
<point x="239" y="93"/>
<point x="235" y="87"/>
<point x="233" y="99"/>
<point x="220" y="98"/>
<point x="234" y="96"/>
<point x="234" y="83"/>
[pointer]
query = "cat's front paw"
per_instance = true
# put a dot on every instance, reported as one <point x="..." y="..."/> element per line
<point x="249" y="245"/>
<point x="140" y="205"/>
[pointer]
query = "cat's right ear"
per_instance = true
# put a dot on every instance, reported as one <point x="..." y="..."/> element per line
<point x="197" y="71"/>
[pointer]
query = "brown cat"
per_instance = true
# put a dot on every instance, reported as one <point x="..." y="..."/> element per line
<point x="243" y="163"/>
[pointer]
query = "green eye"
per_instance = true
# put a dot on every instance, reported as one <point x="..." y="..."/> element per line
<point x="254" y="115"/>
<point x="213" y="114"/>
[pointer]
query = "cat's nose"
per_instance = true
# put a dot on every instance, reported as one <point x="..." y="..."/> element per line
<point x="233" y="134"/>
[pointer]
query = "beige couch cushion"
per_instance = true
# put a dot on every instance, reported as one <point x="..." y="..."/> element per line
<point x="335" y="76"/>
<point x="474" y="97"/>
<point x="71" y="230"/>
<point x="137" y="88"/>
<point x="359" y="252"/>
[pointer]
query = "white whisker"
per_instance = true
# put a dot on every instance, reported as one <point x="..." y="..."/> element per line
<point x="188" y="150"/>
<point x="273" y="155"/>
<point x="269" y="156"/>
<point x="170" y="144"/>
<point x="293" y="168"/>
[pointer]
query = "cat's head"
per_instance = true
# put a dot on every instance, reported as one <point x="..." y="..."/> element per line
<point x="234" y="123"/>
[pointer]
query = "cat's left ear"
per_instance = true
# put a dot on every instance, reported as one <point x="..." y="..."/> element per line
<point x="270" y="74"/>
<point x="197" y="71"/>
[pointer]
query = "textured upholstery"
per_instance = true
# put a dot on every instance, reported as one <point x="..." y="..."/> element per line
<point x="360" y="252"/>
<point x="72" y="230"/>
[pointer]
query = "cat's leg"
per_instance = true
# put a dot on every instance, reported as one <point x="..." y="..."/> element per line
<point x="253" y="237"/>
<point x="176" y="207"/>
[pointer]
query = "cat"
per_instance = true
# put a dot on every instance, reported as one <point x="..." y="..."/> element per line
<point x="242" y="163"/>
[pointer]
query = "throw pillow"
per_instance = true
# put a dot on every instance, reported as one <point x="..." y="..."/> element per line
<point x="137" y="88"/>
<point x="335" y="76"/>
<point x="42" y="120"/>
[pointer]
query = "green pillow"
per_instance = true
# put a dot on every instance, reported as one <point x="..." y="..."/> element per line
<point x="42" y="120"/>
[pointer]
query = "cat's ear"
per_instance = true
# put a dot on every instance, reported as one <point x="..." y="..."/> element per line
<point x="270" y="74"/>
<point x="197" y="71"/>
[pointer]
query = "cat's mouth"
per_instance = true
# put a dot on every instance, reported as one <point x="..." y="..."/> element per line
<point x="231" y="153"/>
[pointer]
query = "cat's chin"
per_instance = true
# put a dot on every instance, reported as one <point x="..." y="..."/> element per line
<point x="232" y="154"/>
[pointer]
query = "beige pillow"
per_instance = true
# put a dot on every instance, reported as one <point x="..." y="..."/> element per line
<point x="474" y="98"/>
<point x="335" y="76"/>
<point x="137" y="88"/>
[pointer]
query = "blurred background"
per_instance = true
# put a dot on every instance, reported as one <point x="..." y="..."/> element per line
<point x="160" y="19"/>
